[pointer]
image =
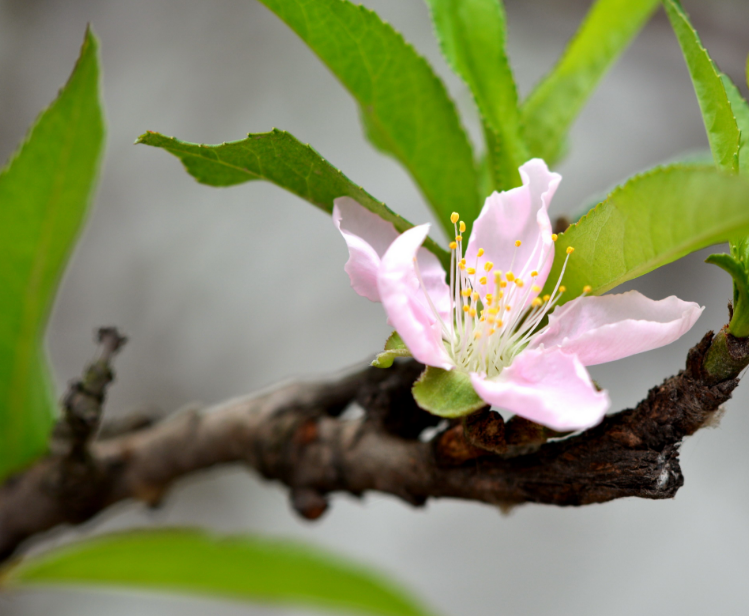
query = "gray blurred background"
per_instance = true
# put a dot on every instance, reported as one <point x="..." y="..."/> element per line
<point x="187" y="272"/>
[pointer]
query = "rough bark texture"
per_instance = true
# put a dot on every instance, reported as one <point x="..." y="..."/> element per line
<point x="296" y="435"/>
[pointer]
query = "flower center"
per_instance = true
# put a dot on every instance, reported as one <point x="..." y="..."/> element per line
<point x="494" y="314"/>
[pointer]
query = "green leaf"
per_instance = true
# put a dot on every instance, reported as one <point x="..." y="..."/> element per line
<point x="405" y="107"/>
<point x="740" y="110"/>
<point x="196" y="563"/>
<point x="736" y="268"/>
<point x="653" y="219"/>
<point x="689" y="158"/>
<point x="722" y="131"/>
<point x="394" y="347"/>
<point x="550" y="110"/>
<point x="45" y="190"/>
<point x="446" y="393"/>
<point x="279" y="158"/>
<point x="473" y="36"/>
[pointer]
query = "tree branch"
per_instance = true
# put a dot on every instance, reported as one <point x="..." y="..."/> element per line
<point x="296" y="435"/>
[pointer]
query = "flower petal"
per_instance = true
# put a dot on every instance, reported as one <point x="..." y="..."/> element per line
<point x="518" y="214"/>
<point x="368" y="237"/>
<point x="606" y="328"/>
<point x="406" y="303"/>
<point x="547" y="386"/>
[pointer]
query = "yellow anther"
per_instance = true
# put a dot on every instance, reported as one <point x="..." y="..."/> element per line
<point x="587" y="288"/>
<point x="570" y="250"/>
<point x="535" y="288"/>
<point x="489" y="298"/>
<point x="501" y="294"/>
<point x="499" y="323"/>
<point x="508" y="308"/>
<point x="454" y="217"/>
<point x="482" y="280"/>
<point x="503" y="284"/>
<point x="519" y="282"/>
<point x="547" y="298"/>
<point x="471" y="271"/>
<point x="453" y="245"/>
<point x="466" y="308"/>
<point x="517" y="243"/>
<point x="491" y="331"/>
<point x="488" y="266"/>
<point x="472" y="312"/>
<point x="562" y="289"/>
<point x="462" y="265"/>
<point x="480" y="253"/>
<point x="554" y="237"/>
<point x="477" y="335"/>
<point x="475" y="297"/>
<point x="510" y="276"/>
<point x="482" y="319"/>
<point x="458" y="238"/>
<point x="462" y="226"/>
<point x="493" y="311"/>
<point x="466" y="293"/>
<point x="536" y="302"/>
<point x="491" y="319"/>
<point x="534" y="273"/>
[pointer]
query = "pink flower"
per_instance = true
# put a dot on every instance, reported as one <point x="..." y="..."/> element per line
<point x="487" y="321"/>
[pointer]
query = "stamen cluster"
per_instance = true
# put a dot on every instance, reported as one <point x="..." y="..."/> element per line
<point x="494" y="313"/>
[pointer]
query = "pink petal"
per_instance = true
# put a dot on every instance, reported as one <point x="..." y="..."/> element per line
<point x="368" y="237"/>
<point x="549" y="387"/>
<point x="406" y="303"/>
<point x="518" y="214"/>
<point x="606" y="328"/>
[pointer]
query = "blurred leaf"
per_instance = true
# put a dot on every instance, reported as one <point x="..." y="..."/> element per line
<point x="447" y="393"/>
<point x="45" y="190"/>
<point x="550" y="110"/>
<point x="196" y="563"/>
<point x="722" y="131"/>
<point x="653" y="219"/>
<point x="279" y="158"/>
<point x="740" y="110"/>
<point x="394" y="348"/>
<point x="404" y="105"/>
<point x="473" y="36"/>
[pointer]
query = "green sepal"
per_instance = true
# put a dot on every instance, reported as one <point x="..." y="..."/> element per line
<point x="394" y="347"/>
<point x="446" y="393"/>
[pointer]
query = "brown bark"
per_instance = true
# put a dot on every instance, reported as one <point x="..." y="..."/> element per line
<point x="296" y="435"/>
